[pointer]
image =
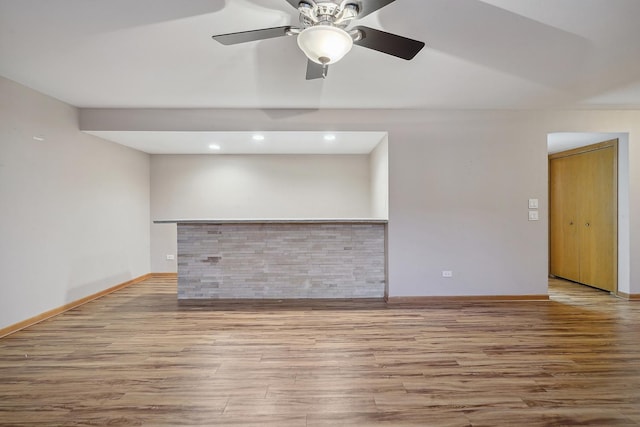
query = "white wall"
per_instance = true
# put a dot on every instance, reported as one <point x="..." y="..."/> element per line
<point x="74" y="209"/>
<point x="624" y="255"/>
<point x="252" y="186"/>
<point x="458" y="201"/>
<point x="379" y="167"/>
<point x="458" y="183"/>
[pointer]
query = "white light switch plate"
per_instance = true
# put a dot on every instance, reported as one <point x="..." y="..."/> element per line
<point x="533" y="203"/>
<point x="533" y="216"/>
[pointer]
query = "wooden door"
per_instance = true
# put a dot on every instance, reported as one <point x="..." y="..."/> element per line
<point x="583" y="215"/>
<point x="596" y="219"/>
<point x="565" y="257"/>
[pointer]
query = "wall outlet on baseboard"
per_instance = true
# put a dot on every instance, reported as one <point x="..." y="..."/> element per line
<point x="447" y="273"/>
<point x="170" y="257"/>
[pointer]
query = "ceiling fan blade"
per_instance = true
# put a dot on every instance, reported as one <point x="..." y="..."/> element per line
<point x="391" y="44"/>
<point x="253" y="35"/>
<point x="365" y="7"/>
<point x="315" y="70"/>
<point x="294" y="3"/>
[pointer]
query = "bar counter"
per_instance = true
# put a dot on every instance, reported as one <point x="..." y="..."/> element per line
<point x="280" y="258"/>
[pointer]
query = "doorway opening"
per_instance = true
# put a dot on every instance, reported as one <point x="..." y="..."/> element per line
<point x="578" y="224"/>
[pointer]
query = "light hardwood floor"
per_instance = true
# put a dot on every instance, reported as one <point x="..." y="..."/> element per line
<point x="136" y="357"/>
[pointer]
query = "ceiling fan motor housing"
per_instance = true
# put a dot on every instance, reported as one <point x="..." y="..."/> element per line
<point x="326" y="13"/>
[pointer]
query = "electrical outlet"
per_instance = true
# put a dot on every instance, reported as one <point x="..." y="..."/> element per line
<point x="447" y="273"/>
<point x="170" y="257"/>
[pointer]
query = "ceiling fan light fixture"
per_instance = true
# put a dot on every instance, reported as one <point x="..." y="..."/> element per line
<point x="324" y="44"/>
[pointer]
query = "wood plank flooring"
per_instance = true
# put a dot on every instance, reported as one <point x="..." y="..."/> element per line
<point x="136" y="357"/>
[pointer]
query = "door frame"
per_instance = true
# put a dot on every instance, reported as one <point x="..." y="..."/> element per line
<point x="581" y="150"/>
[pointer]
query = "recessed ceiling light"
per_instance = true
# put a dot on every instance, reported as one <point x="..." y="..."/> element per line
<point x="38" y="138"/>
<point x="258" y="137"/>
<point x="214" y="147"/>
<point x="329" y="137"/>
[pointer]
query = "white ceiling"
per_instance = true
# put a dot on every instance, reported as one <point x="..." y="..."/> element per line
<point x="246" y="142"/>
<point x="479" y="54"/>
<point x="504" y="54"/>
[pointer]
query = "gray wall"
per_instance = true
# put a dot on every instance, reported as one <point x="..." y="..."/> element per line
<point x="458" y="186"/>
<point x="252" y="186"/>
<point x="74" y="209"/>
<point x="379" y="167"/>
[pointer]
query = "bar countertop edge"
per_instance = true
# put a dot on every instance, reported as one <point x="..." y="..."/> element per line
<point x="274" y="221"/>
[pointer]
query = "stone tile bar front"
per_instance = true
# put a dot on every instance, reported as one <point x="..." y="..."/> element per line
<point x="281" y="259"/>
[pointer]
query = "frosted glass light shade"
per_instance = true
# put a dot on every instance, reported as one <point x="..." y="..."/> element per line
<point x="324" y="44"/>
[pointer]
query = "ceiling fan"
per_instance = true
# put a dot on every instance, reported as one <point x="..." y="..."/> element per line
<point x="323" y="35"/>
